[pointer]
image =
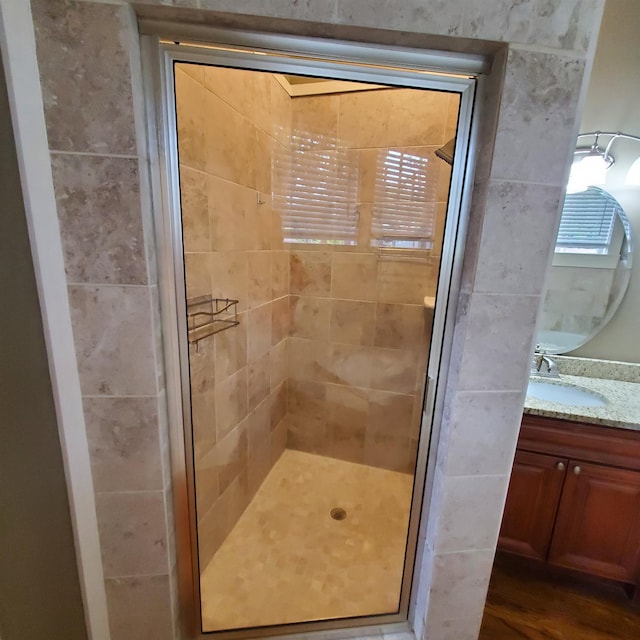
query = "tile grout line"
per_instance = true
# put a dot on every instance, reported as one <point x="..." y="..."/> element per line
<point x="95" y="154"/>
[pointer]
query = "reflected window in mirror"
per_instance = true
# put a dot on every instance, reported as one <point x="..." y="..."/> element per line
<point x="587" y="224"/>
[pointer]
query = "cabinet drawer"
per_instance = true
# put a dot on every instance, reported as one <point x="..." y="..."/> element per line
<point x="579" y="441"/>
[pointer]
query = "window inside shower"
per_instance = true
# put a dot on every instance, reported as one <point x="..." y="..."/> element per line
<point x="313" y="213"/>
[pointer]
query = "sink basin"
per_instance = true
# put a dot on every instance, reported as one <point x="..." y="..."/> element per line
<point x="564" y="394"/>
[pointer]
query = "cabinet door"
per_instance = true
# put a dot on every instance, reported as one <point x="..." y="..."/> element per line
<point x="532" y="502"/>
<point x="598" y="524"/>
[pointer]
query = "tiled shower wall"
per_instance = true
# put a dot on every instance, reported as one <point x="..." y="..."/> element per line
<point x="585" y="290"/>
<point x="359" y="332"/>
<point x="230" y="122"/>
<point x="88" y="54"/>
<point x="359" y="329"/>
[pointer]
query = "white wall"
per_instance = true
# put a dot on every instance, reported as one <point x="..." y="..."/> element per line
<point x="613" y="104"/>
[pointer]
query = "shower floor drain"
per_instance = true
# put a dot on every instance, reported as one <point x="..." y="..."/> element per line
<point x="338" y="513"/>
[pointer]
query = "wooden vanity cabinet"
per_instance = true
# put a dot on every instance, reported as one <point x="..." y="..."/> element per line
<point x="574" y="498"/>
<point x="598" y="524"/>
<point x="532" y="504"/>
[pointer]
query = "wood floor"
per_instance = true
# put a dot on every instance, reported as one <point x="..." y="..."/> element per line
<point x="529" y="601"/>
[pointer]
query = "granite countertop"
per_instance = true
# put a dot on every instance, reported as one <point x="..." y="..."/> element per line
<point x="619" y="384"/>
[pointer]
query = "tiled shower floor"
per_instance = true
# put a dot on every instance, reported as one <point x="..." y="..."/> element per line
<point x="287" y="560"/>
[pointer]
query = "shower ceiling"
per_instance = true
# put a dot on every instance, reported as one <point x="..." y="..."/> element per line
<point x="299" y="86"/>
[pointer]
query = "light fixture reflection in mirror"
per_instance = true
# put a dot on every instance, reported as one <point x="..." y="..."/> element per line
<point x="590" y="164"/>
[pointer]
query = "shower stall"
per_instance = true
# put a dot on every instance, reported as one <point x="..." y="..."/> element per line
<point x="313" y="236"/>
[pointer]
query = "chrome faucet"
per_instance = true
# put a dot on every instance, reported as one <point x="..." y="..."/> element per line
<point x="543" y="365"/>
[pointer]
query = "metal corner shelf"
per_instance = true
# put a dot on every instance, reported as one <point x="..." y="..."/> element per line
<point x="207" y="316"/>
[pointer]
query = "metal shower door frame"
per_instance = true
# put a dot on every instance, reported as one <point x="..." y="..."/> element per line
<point x="163" y="45"/>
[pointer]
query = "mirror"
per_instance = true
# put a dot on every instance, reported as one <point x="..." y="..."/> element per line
<point x="590" y="271"/>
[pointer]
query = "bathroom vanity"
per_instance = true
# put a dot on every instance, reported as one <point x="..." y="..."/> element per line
<point x="574" y="495"/>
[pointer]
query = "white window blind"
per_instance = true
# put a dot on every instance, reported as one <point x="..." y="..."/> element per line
<point x="315" y="188"/>
<point x="587" y="222"/>
<point x="404" y="208"/>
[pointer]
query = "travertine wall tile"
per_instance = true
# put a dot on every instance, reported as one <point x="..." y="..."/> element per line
<point x="308" y="360"/>
<point x="374" y="300"/>
<point x="306" y="9"/>
<point x="347" y="410"/>
<point x="546" y="23"/>
<point x="471" y="513"/>
<point x="246" y="92"/>
<point x="132" y="533"/>
<point x="260" y="289"/>
<point x="310" y="273"/>
<point x="139" y="607"/>
<point x="198" y="268"/>
<point x="498" y="342"/>
<point x="278" y="403"/>
<point x="238" y="386"/>
<point x="231" y="455"/>
<point x="535" y="127"/>
<point x="354" y="276"/>
<point x="86" y="77"/>
<point x="390" y="413"/>
<point x="258" y="331"/>
<point x="280" y="320"/>
<point x="316" y="118"/>
<point x="439" y="16"/>
<point x="123" y="443"/>
<point x="113" y="343"/>
<point x="407" y="283"/>
<point x="400" y="326"/>
<point x="280" y="113"/>
<point x="207" y="481"/>
<point x="356" y="272"/>
<point x="231" y="148"/>
<point x="537" y="207"/>
<point x="190" y="124"/>
<point x="390" y="452"/>
<point x="395" y="118"/>
<point x="195" y="209"/>
<point x="230" y="350"/>
<point x="352" y="322"/>
<point x="394" y="370"/>
<point x="309" y="317"/>
<point x="231" y="402"/>
<point x="258" y="381"/>
<point x="280" y="273"/>
<point x="99" y="211"/>
<point x="463" y="578"/>
<point x="278" y="365"/>
<point x="483" y="431"/>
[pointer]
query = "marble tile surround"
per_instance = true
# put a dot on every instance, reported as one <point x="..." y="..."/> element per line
<point x="69" y="35"/>
<point x="233" y="249"/>
<point x="359" y="329"/>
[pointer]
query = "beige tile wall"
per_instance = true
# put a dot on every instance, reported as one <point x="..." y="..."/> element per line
<point x="586" y="291"/>
<point x="356" y="333"/>
<point x="230" y="123"/>
<point x="359" y="330"/>
<point x="110" y="271"/>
